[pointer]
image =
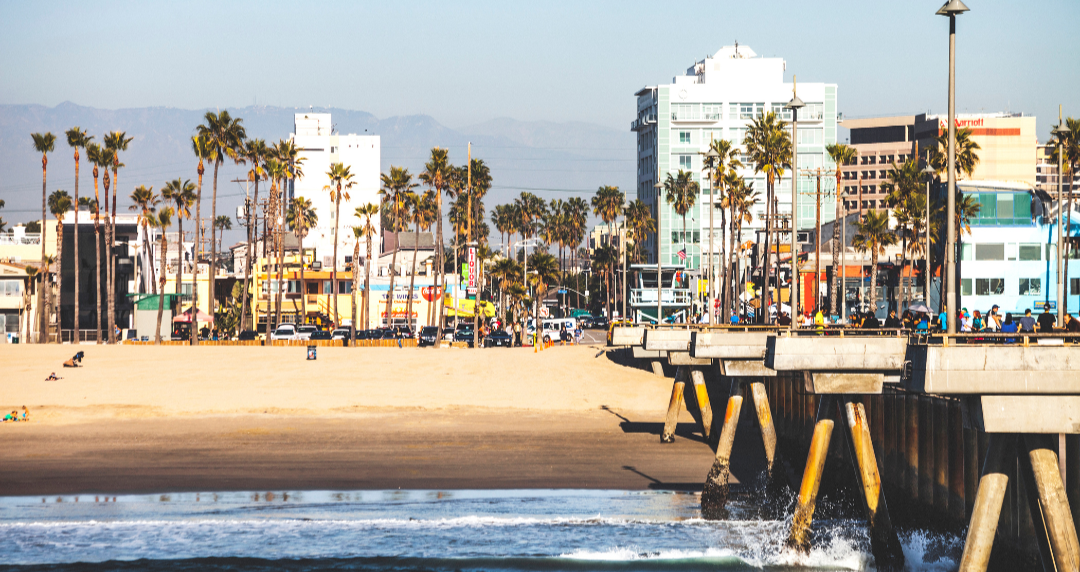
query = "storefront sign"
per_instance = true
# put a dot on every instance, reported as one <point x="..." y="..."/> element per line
<point x="472" y="268"/>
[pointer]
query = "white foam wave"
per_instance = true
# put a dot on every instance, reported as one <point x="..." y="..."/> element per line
<point x="463" y="521"/>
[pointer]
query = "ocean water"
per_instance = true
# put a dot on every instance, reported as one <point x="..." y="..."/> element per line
<point x="533" y="530"/>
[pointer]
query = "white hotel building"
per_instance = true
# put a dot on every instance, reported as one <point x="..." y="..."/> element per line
<point x="320" y="147"/>
<point x="716" y="99"/>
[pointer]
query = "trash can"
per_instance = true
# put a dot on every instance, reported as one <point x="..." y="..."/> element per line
<point x="311" y="352"/>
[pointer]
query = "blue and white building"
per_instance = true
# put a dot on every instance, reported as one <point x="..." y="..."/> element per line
<point x="715" y="99"/>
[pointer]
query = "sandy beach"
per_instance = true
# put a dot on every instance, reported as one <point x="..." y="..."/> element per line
<point x="148" y="419"/>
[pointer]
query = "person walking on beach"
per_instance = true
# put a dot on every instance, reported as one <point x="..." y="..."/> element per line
<point x="1027" y="323"/>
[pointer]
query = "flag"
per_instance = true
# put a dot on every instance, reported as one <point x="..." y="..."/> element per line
<point x="682" y="255"/>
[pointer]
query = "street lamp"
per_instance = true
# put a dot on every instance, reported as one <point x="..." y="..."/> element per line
<point x="794" y="105"/>
<point x="1059" y="133"/>
<point x="659" y="269"/>
<point x="929" y="172"/>
<point x="711" y="157"/>
<point x="952" y="8"/>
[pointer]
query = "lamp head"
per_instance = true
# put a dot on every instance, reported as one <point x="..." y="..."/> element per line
<point x="928" y="170"/>
<point x="712" y="154"/>
<point x="952" y="8"/>
<point x="658" y="186"/>
<point x="795" y="103"/>
<point x="1060" y="131"/>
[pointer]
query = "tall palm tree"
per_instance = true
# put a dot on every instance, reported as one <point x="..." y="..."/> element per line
<point x="873" y="236"/>
<point x="116" y="142"/>
<point x="44" y="143"/>
<point x="768" y="147"/>
<point x="98" y="157"/>
<point x="366" y="213"/>
<point x="723" y="157"/>
<point x="681" y="192"/>
<point x="1070" y="154"/>
<point x="966" y="157"/>
<point x="144" y="201"/>
<point x="436" y="175"/>
<point x="423" y="212"/>
<point x="181" y="193"/>
<point x="500" y="217"/>
<point x="225" y="139"/>
<point x="903" y="183"/>
<point x="77" y="139"/>
<point x="743" y="199"/>
<point x="340" y="184"/>
<point x="607" y="204"/>
<point x="578" y="227"/>
<point x="302" y="218"/>
<point x="841" y="155"/>
<point x="396" y="186"/>
<point x="276" y="173"/>
<point x="59" y="204"/>
<point x="200" y="145"/>
<point x="161" y="220"/>
<point x="255" y="154"/>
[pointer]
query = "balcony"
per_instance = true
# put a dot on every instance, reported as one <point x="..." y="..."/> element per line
<point x="646" y="297"/>
<point x="642" y="122"/>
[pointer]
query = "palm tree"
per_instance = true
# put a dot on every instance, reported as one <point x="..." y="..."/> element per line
<point x="366" y="213"/>
<point x="340" y="183"/>
<point x="640" y="223"/>
<point x="841" y="155"/>
<point x="276" y="173"/>
<point x="302" y="217"/>
<point x="181" y="194"/>
<point x="396" y="186"/>
<point x="98" y="157"/>
<point x="200" y="145"/>
<point x="76" y="139"/>
<point x="255" y="154"/>
<point x="116" y="142"/>
<point x="768" y="147"/>
<point x="44" y="143"/>
<point x="966" y="157"/>
<point x="145" y="201"/>
<point x="904" y="182"/>
<point x="724" y="157"/>
<point x="579" y="218"/>
<point x="423" y="213"/>
<point x="59" y="204"/>
<point x="162" y="220"/>
<point x="501" y="218"/>
<point x="607" y="204"/>
<point x="743" y="198"/>
<point x="1070" y="150"/>
<point x="224" y="139"/>
<point x="436" y="175"/>
<point x="873" y="236"/>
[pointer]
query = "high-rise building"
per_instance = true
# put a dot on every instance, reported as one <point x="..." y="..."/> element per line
<point x="716" y="99"/>
<point x="320" y="146"/>
<point x="879" y="142"/>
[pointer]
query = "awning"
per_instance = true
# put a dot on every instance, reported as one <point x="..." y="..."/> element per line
<point x="185" y="318"/>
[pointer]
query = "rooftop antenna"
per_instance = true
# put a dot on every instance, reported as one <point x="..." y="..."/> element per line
<point x="736" y="48"/>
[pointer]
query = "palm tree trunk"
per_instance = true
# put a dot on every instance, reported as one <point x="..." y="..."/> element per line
<point x="251" y="263"/>
<point x="194" y="336"/>
<point x="440" y="275"/>
<point x="112" y="262"/>
<point x="75" y="234"/>
<point x="180" y="264"/>
<point x="42" y="317"/>
<point x="333" y="273"/>
<point x="59" y="273"/>
<point x="412" y="276"/>
<point x="211" y="280"/>
<point x="1068" y="244"/>
<point x="367" y="287"/>
<point x="303" y="283"/>
<point x="903" y="279"/>
<point x="393" y="274"/>
<point x="105" y="248"/>
<point x="839" y="219"/>
<point x="161" y="296"/>
<point x="714" y="273"/>
<point x="355" y="287"/>
<point x="97" y="277"/>
<point x="765" y="265"/>
<point x="873" y="281"/>
<point x="279" y="241"/>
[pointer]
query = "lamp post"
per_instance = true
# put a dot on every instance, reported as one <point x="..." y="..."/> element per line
<point x="929" y="172"/>
<point x="1059" y="133"/>
<point x="794" y="105"/>
<point x="659" y="268"/>
<point x="952" y="8"/>
<point x="711" y="156"/>
<point x="524" y="282"/>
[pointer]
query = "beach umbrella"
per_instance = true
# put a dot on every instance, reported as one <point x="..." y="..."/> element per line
<point x="919" y="307"/>
<point x="185" y="318"/>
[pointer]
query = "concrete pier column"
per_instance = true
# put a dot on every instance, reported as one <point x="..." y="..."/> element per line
<point x="1048" y="502"/>
<point x="911" y="447"/>
<point x="765" y="421"/>
<point x="884" y="543"/>
<point x="674" y="406"/>
<point x="984" y="518"/>
<point x="698" y="377"/>
<point x="715" y="493"/>
<point x="799" y="536"/>
<point x="657" y="367"/>
<point x="1072" y="475"/>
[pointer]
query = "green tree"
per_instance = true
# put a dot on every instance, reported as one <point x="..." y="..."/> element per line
<point x="340" y="183"/>
<point x="742" y="200"/>
<point x="180" y="195"/>
<point x="966" y="157"/>
<point x="255" y="154"/>
<point x="721" y="158"/>
<point x="101" y="158"/>
<point x="301" y="218"/>
<point x="841" y="155"/>
<point x="225" y="140"/>
<point x="436" y="176"/>
<point x="903" y="184"/>
<point x="366" y="213"/>
<point x="422" y="212"/>
<point x="396" y="187"/>
<point x="769" y="149"/>
<point x="873" y="236"/>
<point x="115" y="142"/>
<point x="44" y="143"/>
<point x="1068" y="146"/>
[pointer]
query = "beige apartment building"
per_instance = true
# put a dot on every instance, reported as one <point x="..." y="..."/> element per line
<point x="1007" y="150"/>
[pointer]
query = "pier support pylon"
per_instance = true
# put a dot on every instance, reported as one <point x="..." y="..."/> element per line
<point x="884" y="543"/>
<point x="988" y="501"/>
<point x="799" y="536"/>
<point x="765" y="421"/>
<point x="715" y="494"/>
<point x="657" y="367"/>
<point x="1042" y="478"/>
<point x="676" y="403"/>
<point x="702" y="393"/>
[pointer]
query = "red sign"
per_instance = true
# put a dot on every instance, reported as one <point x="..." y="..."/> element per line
<point x="472" y="267"/>
<point x="944" y="123"/>
<point x="430" y="293"/>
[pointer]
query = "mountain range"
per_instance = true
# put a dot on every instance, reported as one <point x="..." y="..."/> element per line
<point x="552" y="160"/>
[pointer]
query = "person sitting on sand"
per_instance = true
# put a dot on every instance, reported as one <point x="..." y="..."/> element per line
<point x="13" y="417"/>
<point x="75" y="361"/>
<point x="52" y="377"/>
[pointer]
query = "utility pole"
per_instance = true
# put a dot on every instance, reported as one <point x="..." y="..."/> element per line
<point x="819" y="173"/>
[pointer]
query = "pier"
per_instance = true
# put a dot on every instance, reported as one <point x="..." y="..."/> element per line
<point x="976" y="430"/>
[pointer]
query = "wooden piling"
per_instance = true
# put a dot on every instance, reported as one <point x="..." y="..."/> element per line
<point x="765" y="421"/>
<point x="799" y="535"/>
<point x="911" y="446"/>
<point x="971" y="469"/>
<point x="1072" y="475"/>
<point x="877" y="421"/>
<point x="957" y="485"/>
<point x="674" y="406"/>
<point x="888" y="444"/>
<point x="884" y="543"/>
<point x="1049" y="504"/>
<point x="702" y="394"/>
<point x="941" y="455"/>
<point x="926" y="452"/>
<point x="988" y="503"/>
<point x="715" y="493"/>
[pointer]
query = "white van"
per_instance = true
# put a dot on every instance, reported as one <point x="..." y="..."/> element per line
<point x="551" y="326"/>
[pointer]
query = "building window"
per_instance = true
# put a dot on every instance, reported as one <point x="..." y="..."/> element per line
<point x="712" y="111"/>
<point x="344" y="287"/>
<point x="738" y="134"/>
<point x="989" y="286"/>
<point x="1074" y="286"/>
<point x="990" y="252"/>
<point x="327" y="287"/>
<point x="965" y="286"/>
<point x="685" y="162"/>
<point x="1030" y="252"/>
<point x="810" y="136"/>
<point x="10" y="287"/>
<point x="1031" y="286"/>
<point x="333" y="149"/>
<point x="684" y="137"/>
<point x="750" y="110"/>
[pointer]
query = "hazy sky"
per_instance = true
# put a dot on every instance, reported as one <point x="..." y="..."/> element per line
<point x="465" y="62"/>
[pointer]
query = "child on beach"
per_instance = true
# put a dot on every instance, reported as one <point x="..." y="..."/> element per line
<point x="13" y="417"/>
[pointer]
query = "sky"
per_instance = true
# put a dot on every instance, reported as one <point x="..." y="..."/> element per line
<point x="467" y="62"/>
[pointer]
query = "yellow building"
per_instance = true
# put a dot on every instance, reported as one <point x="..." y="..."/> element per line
<point x="1007" y="143"/>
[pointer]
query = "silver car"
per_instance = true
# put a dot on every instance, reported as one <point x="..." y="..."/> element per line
<point x="285" y="332"/>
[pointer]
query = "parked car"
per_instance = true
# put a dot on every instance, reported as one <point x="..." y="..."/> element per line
<point x="248" y="335"/>
<point x="464" y="335"/>
<point x="320" y="335"/>
<point x="304" y="332"/>
<point x="448" y="334"/>
<point x="429" y="336"/>
<point x="343" y="334"/>
<point x="285" y="332"/>
<point x="498" y="338"/>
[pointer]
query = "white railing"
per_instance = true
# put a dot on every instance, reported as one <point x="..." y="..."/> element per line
<point x="669" y="297"/>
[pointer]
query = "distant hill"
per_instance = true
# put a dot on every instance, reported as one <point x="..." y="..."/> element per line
<point x="521" y="154"/>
